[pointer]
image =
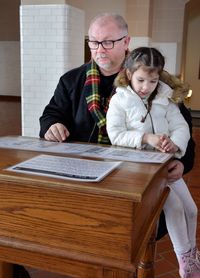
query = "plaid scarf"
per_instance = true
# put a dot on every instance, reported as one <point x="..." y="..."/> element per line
<point x="93" y="98"/>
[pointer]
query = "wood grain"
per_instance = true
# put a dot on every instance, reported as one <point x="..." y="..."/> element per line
<point x="79" y="228"/>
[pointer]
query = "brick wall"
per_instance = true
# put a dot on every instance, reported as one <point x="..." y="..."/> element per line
<point x="52" y="42"/>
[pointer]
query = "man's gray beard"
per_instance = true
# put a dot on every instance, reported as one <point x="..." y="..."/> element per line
<point x="105" y="66"/>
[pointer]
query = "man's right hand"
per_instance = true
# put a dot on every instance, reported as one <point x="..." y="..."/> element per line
<point x="175" y="170"/>
<point x="57" y="132"/>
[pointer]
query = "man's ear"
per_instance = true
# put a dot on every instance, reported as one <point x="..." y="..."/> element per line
<point x="129" y="74"/>
<point x="127" y="41"/>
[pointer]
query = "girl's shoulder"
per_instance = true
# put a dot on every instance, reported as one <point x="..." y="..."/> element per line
<point x="125" y="92"/>
<point x="164" y="90"/>
<point x="124" y="96"/>
<point x="164" y="94"/>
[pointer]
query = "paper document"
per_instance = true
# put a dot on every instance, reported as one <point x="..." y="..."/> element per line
<point x="87" y="150"/>
<point x="127" y="154"/>
<point x="66" y="168"/>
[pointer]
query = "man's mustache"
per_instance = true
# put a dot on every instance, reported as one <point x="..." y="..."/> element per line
<point x="101" y="56"/>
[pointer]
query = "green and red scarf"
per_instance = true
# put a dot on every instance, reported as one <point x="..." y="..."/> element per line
<point x="93" y="98"/>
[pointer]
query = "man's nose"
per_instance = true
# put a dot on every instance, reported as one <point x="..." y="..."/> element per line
<point x="100" y="48"/>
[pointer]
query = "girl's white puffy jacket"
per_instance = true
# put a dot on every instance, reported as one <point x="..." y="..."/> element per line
<point x="126" y="109"/>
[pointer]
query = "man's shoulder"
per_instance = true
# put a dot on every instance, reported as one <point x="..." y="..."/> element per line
<point x="74" y="79"/>
<point x="75" y="72"/>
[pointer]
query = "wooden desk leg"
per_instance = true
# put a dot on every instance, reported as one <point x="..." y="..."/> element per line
<point x="6" y="270"/>
<point x="146" y="264"/>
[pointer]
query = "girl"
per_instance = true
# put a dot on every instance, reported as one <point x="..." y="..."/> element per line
<point x="143" y="114"/>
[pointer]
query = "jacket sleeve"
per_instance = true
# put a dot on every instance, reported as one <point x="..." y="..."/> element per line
<point x="55" y="111"/>
<point x="116" y="125"/>
<point x="178" y="129"/>
<point x="188" y="158"/>
<point x="66" y="101"/>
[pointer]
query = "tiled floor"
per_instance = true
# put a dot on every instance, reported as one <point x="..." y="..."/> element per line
<point x="166" y="264"/>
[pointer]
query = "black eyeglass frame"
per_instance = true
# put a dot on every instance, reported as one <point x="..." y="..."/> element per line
<point x="102" y="42"/>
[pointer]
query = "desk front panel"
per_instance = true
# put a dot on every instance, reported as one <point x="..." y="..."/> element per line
<point x="92" y="223"/>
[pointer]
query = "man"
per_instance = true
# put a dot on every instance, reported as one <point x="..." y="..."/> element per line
<point x="72" y="111"/>
<point x="78" y="108"/>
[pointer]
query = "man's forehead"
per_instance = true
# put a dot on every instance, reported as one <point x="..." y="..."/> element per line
<point x="106" y="30"/>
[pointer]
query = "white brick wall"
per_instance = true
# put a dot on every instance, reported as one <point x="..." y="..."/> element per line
<point x="52" y="42"/>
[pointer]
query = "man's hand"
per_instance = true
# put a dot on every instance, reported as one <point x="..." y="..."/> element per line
<point x="175" y="170"/>
<point x="57" y="132"/>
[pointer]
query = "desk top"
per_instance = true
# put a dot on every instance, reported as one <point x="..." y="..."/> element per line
<point x="129" y="180"/>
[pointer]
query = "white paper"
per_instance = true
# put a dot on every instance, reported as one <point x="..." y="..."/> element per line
<point x="127" y="154"/>
<point x="87" y="150"/>
<point x="66" y="168"/>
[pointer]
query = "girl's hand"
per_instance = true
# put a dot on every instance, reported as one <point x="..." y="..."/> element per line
<point x="160" y="142"/>
<point x="167" y="145"/>
<point x="154" y="140"/>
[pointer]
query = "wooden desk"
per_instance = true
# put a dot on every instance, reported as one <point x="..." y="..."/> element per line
<point x="80" y="229"/>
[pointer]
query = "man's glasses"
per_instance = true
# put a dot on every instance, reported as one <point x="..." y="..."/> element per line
<point x="107" y="44"/>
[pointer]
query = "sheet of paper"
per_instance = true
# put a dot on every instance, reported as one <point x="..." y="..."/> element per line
<point x="36" y="144"/>
<point x="127" y="154"/>
<point x="66" y="168"/>
<point x="87" y="150"/>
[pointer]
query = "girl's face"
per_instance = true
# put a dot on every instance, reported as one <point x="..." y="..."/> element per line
<point x="143" y="82"/>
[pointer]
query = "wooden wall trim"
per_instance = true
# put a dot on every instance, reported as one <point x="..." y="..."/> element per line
<point x="10" y="98"/>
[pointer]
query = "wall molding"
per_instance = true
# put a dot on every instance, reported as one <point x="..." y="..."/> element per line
<point x="195" y="114"/>
<point x="10" y="98"/>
